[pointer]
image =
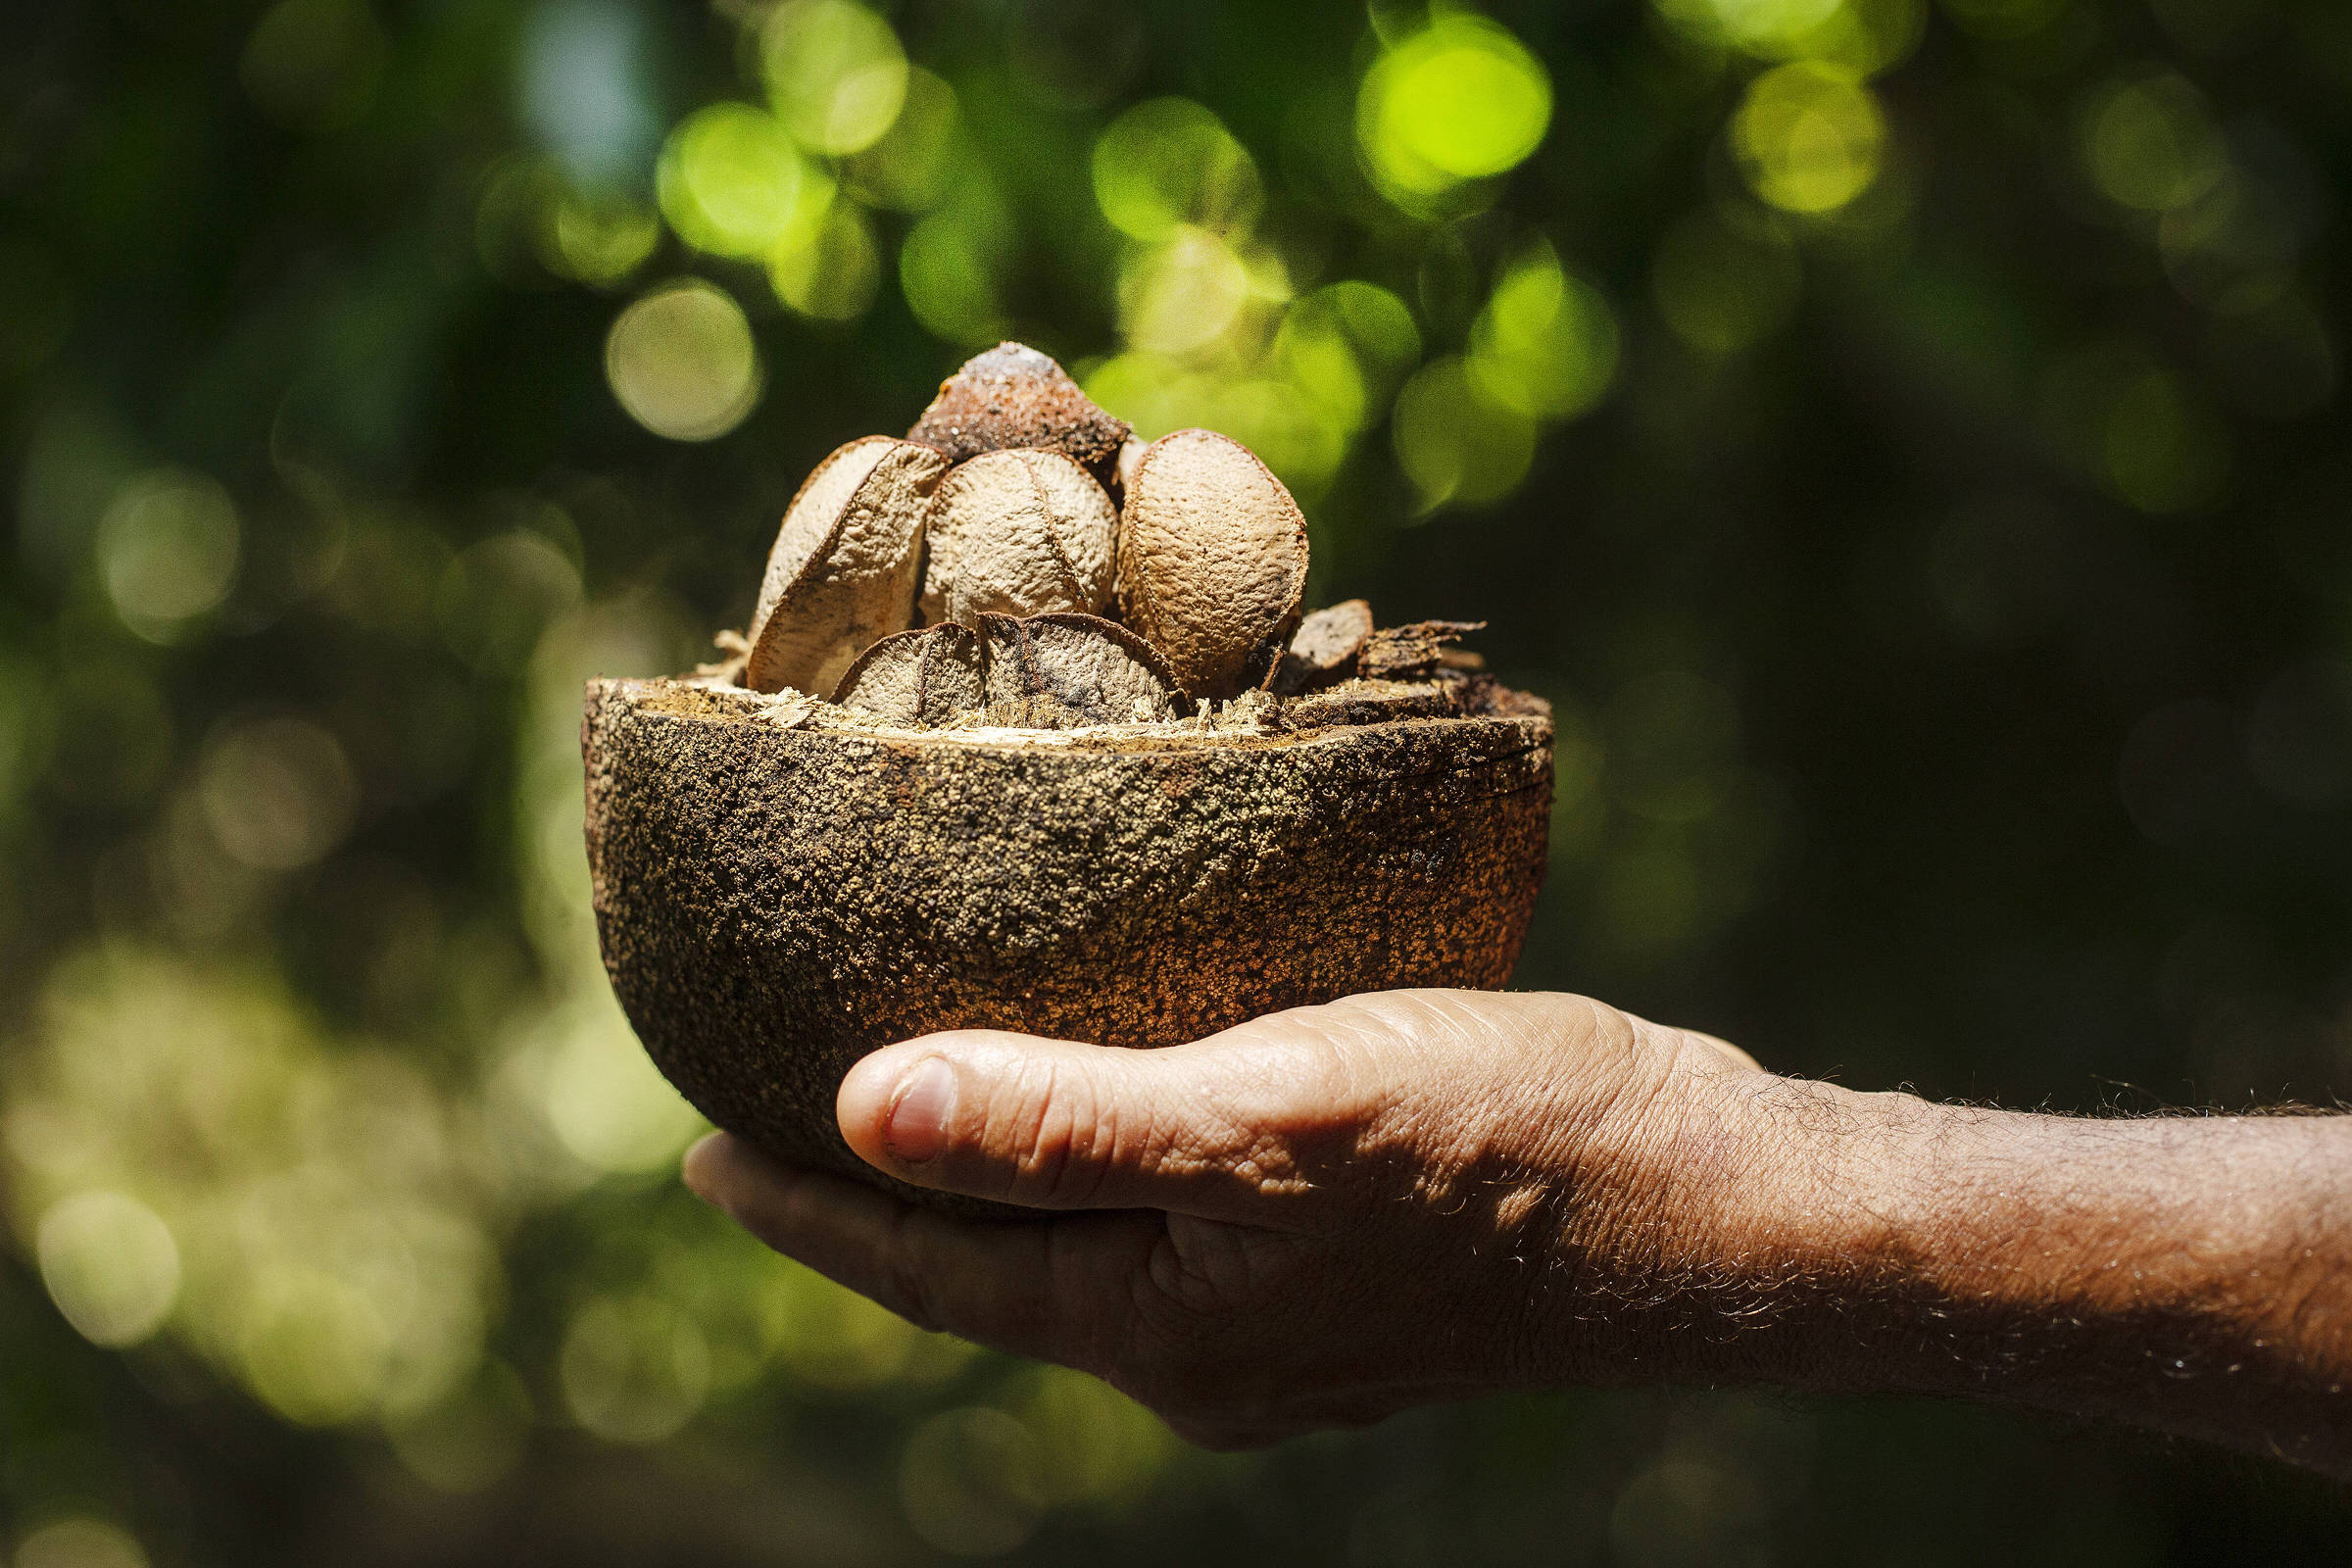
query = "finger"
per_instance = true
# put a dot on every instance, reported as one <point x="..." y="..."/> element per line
<point x="1054" y="1290"/>
<point x="1225" y="1128"/>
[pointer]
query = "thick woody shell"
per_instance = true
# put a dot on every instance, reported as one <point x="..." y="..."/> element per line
<point x="1019" y="533"/>
<point x="1211" y="560"/>
<point x="1013" y="396"/>
<point x="1419" y="651"/>
<point x="845" y="565"/>
<point x="776" y="900"/>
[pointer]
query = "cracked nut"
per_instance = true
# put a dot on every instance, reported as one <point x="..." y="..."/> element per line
<point x="845" y="565"/>
<point x="917" y="680"/>
<point x="1062" y="671"/>
<point x="1058" y="671"/>
<point x="1326" y="650"/>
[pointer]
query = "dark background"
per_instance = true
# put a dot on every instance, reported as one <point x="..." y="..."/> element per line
<point x="1904" y="442"/>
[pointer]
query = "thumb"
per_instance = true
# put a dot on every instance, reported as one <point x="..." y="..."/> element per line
<point x="1210" y="1129"/>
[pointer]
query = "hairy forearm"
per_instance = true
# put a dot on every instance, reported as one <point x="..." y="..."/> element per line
<point x="2188" y="1274"/>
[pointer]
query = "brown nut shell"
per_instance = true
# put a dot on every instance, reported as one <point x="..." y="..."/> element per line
<point x="1019" y="533"/>
<point x="845" y="565"/>
<point x="1063" y="671"/>
<point x="1326" y="649"/>
<point x="775" y="902"/>
<point x="918" y="679"/>
<point x="1013" y="396"/>
<point x="1414" y="652"/>
<point x="1211" y="560"/>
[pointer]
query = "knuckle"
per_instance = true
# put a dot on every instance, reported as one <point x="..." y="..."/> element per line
<point x="1055" y="1142"/>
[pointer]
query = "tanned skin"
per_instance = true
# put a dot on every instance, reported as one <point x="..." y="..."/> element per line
<point x="1327" y="1215"/>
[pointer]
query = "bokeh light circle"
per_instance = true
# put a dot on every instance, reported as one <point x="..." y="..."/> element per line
<point x="278" y="793"/>
<point x="80" y="1542"/>
<point x="681" y="361"/>
<point x="832" y="277"/>
<point x="111" y="1266"/>
<point x="836" y="72"/>
<point x="2152" y="144"/>
<point x="634" y="1369"/>
<point x="315" y="1344"/>
<point x="1345" y="347"/>
<point x="1170" y="164"/>
<point x="1455" y="443"/>
<point x="972" y="1481"/>
<point x="1809" y="136"/>
<point x="1546" y="345"/>
<point x="168" y="550"/>
<point x="732" y="183"/>
<point x="1183" y="295"/>
<point x="1460" y="99"/>
<point x="1756" y="25"/>
<point x="949" y="286"/>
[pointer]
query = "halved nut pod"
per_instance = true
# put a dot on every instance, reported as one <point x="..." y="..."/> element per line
<point x="1211" y="560"/>
<point x="1013" y="396"/>
<point x="778" y="898"/>
<point x="1044" y="672"/>
<point x="1022" y="532"/>
<point x="845" y="565"/>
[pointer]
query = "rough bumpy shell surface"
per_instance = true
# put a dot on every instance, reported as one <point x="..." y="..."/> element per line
<point x="777" y="900"/>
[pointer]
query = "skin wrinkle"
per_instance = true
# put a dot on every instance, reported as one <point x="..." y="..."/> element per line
<point x="1034" y="1147"/>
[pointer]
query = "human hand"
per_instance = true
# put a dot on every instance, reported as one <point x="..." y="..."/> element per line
<point x="1331" y="1213"/>
<point x="1313" y="1219"/>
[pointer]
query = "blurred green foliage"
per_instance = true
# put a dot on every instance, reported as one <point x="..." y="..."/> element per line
<point x="1904" y="441"/>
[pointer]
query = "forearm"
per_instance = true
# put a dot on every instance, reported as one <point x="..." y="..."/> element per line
<point x="2191" y="1275"/>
